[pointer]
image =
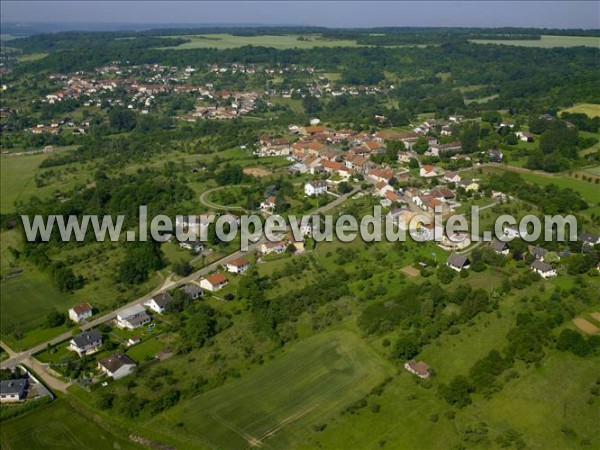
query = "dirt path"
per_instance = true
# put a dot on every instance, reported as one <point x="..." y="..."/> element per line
<point x="203" y="199"/>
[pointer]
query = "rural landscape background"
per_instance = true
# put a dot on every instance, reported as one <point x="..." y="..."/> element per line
<point x="304" y="345"/>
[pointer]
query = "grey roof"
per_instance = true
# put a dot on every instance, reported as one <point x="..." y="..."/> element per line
<point x="115" y="362"/>
<point x="12" y="387"/>
<point x="457" y="260"/>
<point x="541" y="266"/>
<point x="87" y="338"/>
<point x="539" y="251"/>
<point x="162" y="299"/>
<point x="191" y="290"/>
<point x="138" y="319"/>
<point x="498" y="245"/>
<point x="588" y="238"/>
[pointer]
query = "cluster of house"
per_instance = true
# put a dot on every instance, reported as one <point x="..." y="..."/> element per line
<point x="90" y="341"/>
<point x="544" y="259"/>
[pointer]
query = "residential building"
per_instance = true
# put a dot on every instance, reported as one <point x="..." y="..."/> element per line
<point x="237" y="265"/>
<point x="545" y="270"/>
<point x="80" y="312"/>
<point x="192" y="291"/>
<point x="159" y="302"/>
<point x="13" y="390"/>
<point x="458" y="262"/>
<point x="315" y="188"/>
<point x="132" y="317"/>
<point x="499" y="247"/>
<point x="86" y="343"/>
<point x="214" y="282"/>
<point x="419" y="368"/>
<point x="117" y="366"/>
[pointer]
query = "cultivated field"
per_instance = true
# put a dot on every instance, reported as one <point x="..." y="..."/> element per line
<point x="58" y="426"/>
<point x="590" y="109"/>
<point x="547" y="42"/>
<point x="277" y="405"/>
<point x="585" y="326"/>
<point x="222" y="41"/>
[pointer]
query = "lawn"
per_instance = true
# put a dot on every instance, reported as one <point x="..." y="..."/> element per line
<point x="278" y="404"/>
<point x="547" y="41"/>
<point x="59" y="426"/>
<point x="223" y="41"/>
<point x="590" y="109"/>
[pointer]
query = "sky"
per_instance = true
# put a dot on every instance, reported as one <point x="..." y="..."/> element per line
<point x="548" y="14"/>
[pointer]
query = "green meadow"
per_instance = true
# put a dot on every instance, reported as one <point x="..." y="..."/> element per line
<point x="547" y="41"/>
<point x="223" y="41"/>
<point x="277" y="405"/>
<point x="59" y="426"/>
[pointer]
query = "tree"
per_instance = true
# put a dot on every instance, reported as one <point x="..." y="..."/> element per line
<point x="121" y="119"/>
<point x="407" y="347"/>
<point x="55" y="319"/>
<point x="469" y="137"/>
<point x="182" y="268"/>
<point x="457" y="392"/>
<point x="570" y="340"/>
<point x="344" y="187"/>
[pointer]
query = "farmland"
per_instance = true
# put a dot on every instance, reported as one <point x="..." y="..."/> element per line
<point x="59" y="425"/>
<point x="278" y="404"/>
<point x="223" y="41"/>
<point x="546" y="42"/>
<point x="590" y="109"/>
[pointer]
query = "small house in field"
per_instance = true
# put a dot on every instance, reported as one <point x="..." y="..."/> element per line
<point x="543" y="269"/>
<point x="116" y="366"/>
<point x="238" y="265"/>
<point x="214" y="282"/>
<point x="159" y="302"/>
<point x="313" y="188"/>
<point x="272" y="247"/>
<point x="86" y="343"/>
<point x="192" y="291"/>
<point x="418" y="368"/>
<point x="499" y="247"/>
<point x="80" y="312"/>
<point x="458" y="262"/>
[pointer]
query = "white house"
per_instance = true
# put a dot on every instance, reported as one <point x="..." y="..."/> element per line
<point x="428" y="171"/>
<point x="419" y="368"/>
<point x="452" y="177"/>
<point x="13" y="390"/>
<point x="80" y="312"/>
<point x="458" y="262"/>
<point x="315" y="188"/>
<point x="214" y="282"/>
<point x="132" y="317"/>
<point x="499" y="247"/>
<point x="545" y="270"/>
<point x="511" y="231"/>
<point x="86" y="343"/>
<point x="116" y="366"/>
<point x="272" y="247"/>
<point x="238" y="265"/>
<point x="159" y="302"/>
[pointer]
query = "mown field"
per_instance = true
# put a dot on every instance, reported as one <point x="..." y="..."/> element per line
<point x="590" y="109"/>
<point x="547" y="41"/>
<point x="59" y="426"/>
<point x="277" y="405"/>
<point x="222" y="41"/>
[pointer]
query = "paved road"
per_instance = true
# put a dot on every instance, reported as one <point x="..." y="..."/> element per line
<point x="16" y="358"/>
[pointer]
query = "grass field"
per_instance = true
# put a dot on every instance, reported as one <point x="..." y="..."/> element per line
<point x="276" y="405"/>
<point x="589" y="191"/>
<point x="222" y="41"/>
<point x="590" y="109"/>
<point x="547" y="42"/>
<point x="59" y="426"/>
